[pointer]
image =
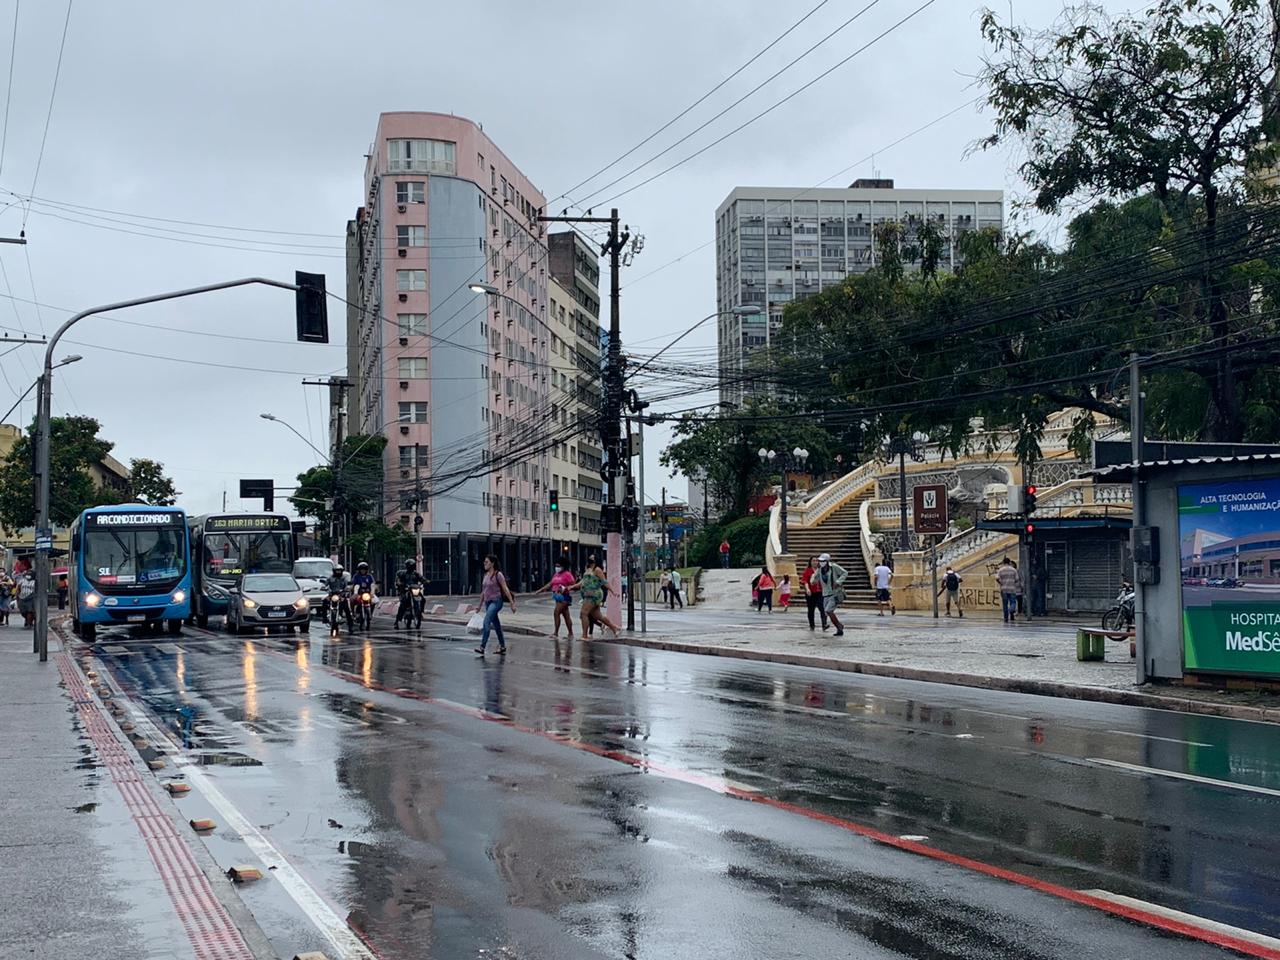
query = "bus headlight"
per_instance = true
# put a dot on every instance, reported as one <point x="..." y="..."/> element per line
<point x="92" y="599"/>
<point x="301" y="603"/>
<point x="179" y="596"/>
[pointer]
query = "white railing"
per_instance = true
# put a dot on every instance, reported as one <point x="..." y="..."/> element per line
<point x="827" y="500"/>
<point x="868" y="548"/>
<point x="773" y="545"/>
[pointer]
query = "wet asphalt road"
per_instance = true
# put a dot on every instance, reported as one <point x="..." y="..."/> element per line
<point x="578" y="800"/>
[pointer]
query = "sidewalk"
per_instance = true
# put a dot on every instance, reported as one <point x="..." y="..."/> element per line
<point x="78" y="878"/>
<point x="1027" y="657"/>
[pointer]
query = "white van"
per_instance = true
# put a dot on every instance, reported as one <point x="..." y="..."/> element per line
<point x="312" y="573"/>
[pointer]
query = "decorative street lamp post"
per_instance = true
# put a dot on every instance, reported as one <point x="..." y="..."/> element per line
<point x="794" y="460"/>
<point x="902" y="446"/>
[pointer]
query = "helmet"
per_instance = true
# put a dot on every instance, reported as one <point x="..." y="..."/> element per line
<point x="337" y="568"/>
<point x="362" y="566"/>
<point x="409" y="564"/>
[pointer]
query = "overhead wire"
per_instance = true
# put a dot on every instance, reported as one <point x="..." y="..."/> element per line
<point x="53" y="93"/>
<point x="8" y="94"/>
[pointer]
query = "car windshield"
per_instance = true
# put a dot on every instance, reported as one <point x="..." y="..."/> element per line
<point x="270" y="583"/>
<point x="313" y="569"/>
<point x="131" y="557"/>
<point x="228" y="556"/>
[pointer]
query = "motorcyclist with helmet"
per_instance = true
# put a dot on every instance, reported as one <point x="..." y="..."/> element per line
<point x="338" y="585"/>
<point x="362" y="584"/>
<point x="410" y="608"/>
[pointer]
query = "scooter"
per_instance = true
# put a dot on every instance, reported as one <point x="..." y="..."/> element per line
<point x="416" y="604"/>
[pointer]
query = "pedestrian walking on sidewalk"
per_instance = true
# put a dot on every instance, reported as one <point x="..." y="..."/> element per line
<point x="831" y="577"/>
<point x="883" y="577"/>
<point x="724" y="554"/>
<point x="951" y="587"/>
<point x="493" y="591"/>
<point x="674" y="595"/>
<point x="561" y="582"/>
<point x="594" y="584"/>
<point x="27" y="598"/>
<point x="811" y="587"/>
<point x="764" y="590"/>
<point x="784" y="593"/>
<point x="664" y="587"/>
<point x="62" y="592"/>
<point x="1010" y="583"/>
<point x="6" y="596"/>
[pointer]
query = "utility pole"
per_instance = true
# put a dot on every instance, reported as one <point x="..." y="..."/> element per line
<point x="616" y="467"/>
<point x="665" y="541"/>
<point x="1136" y="428"/>
<point x="417" y="506"/>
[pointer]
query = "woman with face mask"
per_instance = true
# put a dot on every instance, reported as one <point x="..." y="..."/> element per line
<point x="561" y="583"/>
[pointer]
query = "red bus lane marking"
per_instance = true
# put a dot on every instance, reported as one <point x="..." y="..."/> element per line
<point x="741" y="792"/>
<point x="207" y="924"/>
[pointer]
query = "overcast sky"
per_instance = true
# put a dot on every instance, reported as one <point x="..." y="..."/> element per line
<point x="257" y="116"/>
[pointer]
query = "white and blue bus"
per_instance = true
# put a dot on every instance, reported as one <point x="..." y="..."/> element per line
<point x="226" y="546"/>
<point x="130" y="564"/>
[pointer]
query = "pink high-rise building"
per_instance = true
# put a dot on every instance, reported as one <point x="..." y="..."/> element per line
<point x="456" y="380"/>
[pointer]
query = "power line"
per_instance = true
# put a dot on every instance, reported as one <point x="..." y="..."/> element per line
<point x="702" y="99"/>
<point x="763" y="113"/>
<point x="57" y="72"/>
<point x="8" y="94"/>
<point x="745" y="96"/>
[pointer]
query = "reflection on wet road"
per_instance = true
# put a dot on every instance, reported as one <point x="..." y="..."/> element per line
<point x="407" y="780"/>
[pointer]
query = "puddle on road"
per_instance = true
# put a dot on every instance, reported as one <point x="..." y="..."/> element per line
<point x="208" y="758"/>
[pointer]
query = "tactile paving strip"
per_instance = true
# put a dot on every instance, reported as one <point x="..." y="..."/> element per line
<point x="209" y="927"/>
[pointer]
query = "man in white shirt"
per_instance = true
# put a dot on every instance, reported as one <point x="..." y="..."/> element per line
<point x="883" y="576"/>
<point x="675" y="589"/>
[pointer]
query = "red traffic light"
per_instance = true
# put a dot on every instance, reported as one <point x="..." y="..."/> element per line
<point x="1029" y="529"/>
<point x="1030" y="488"/>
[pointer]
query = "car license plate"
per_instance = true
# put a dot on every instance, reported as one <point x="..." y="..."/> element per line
<point x="137" y="618"/>
<point x="277" y="613"/>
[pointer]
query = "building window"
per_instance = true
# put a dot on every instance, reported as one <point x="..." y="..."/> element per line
<point x="411" y="235"/>
<point x="412" y="324"/>
<point x="415" y="411"/>
<point x="412" y="368"/>
<point x="422" y="156"/>
<point x="411" y="191"/>
<point x="413" y="455"/>
<point x="411" y="280"/>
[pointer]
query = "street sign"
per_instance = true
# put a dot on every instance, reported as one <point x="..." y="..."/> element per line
<point x="929" y="501"/>
<point x="44" y="539"/>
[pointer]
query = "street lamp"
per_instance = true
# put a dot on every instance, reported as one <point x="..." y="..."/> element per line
<point x="902" y="446"/>
<point x="793" y="460"/>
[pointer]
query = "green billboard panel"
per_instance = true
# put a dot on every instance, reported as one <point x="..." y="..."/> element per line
<point x="1229" y="547"/>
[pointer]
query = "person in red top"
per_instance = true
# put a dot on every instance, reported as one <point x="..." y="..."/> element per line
<point x="811" y="584"/>
<point x="724" y="553"/>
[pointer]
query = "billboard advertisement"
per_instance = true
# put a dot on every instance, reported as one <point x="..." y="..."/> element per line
<point x="1229" y="551"/>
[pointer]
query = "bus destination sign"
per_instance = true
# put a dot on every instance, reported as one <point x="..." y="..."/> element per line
<point x="249" y="522"/>
<point x="134" y="519"/>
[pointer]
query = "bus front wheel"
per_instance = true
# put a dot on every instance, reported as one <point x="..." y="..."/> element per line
<point x="88" y="632"/>
<point x="202" y="621"/>
<point x="174" y="627"/>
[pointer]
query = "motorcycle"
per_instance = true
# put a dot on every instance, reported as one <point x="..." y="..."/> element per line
<point x="363" y="604"/>
<point x="1120" y="617"/>
<point x="339" y="608"/>
<point x="415" y="604"/>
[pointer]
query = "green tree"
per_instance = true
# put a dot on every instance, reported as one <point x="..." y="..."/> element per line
<point x="1176" y="102"/>
<point x="725" y="449"/>
<point x="74" y="447"/>
<point x="148" y="483"/>
<point x="352" y="493"/>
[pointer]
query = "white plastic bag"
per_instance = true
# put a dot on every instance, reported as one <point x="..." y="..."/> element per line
<point x="476" y="623"/>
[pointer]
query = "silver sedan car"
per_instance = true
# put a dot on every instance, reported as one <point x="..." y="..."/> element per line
<point x="268" y="600"/>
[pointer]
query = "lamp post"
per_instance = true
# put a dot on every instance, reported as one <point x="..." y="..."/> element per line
<point x="902" y="446"/>
<point x="44" y="405"/>
<point x="793" y="460"/>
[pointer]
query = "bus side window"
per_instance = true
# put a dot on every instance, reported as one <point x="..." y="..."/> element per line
<point x="75" y="540"/>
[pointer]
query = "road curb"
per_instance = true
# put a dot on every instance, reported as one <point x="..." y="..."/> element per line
<point x="1044" y="688"/>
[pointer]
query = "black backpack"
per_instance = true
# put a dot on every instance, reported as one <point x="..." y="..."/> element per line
<point x="952" y="581"/>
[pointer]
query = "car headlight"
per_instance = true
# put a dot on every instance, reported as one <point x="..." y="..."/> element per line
<point x="179" y="596"/>
<point x="249" y="604"/>
<point x="92" y="599"/>
<point x="301" y="603"/>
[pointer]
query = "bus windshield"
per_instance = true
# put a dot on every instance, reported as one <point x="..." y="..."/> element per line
<point x="229" y="556"/>
<point x="134" y="556"/>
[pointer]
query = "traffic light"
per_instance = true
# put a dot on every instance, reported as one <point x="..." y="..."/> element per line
<point x="311" y="308"/>
<point x="553" y="501"/>
<point x="253" y="489"/>
<point x="1028" y="533"/>
<point x="1028" y="499"/>
<point x="631" y="518"/>
<point x="653" y="513"/>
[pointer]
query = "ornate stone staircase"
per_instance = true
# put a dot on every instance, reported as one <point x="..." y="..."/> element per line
<point x="839" y="534"/>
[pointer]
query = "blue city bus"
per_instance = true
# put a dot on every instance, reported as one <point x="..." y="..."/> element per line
<point x="226" y="546"/>
<point x="130" y="564"/>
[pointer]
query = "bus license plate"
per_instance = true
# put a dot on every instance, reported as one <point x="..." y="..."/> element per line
<point x="277" y="613"/>
<point x="137" y="618"/>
